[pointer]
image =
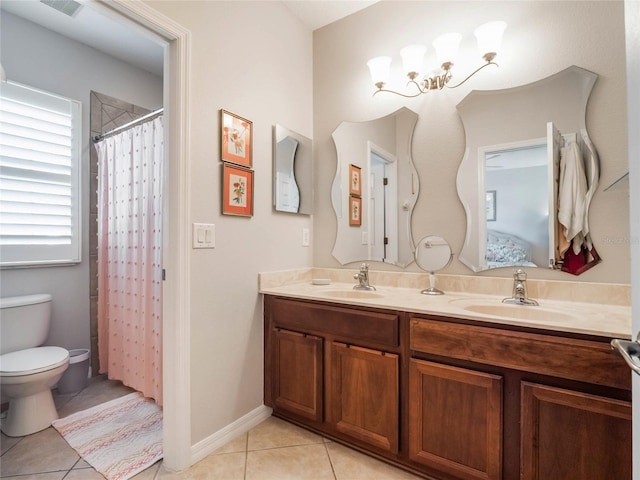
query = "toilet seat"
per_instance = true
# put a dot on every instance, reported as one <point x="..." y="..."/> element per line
<point x="32" y="361"/>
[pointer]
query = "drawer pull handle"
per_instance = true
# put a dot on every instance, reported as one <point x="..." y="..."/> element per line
<point x="630" y="352"/>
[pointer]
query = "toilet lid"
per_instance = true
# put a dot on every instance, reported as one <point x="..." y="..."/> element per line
<point x="32" y="360"/>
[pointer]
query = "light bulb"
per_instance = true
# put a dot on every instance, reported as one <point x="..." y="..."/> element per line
<point x="447" y="48"/>
<point x="379" y="68"/>
<point x="489" y="38"/>
<point x="412" y="59"/>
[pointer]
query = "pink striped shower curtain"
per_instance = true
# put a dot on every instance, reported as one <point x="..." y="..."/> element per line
<point x="130" y="171"/>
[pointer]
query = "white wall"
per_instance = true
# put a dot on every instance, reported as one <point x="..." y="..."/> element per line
<point x="253" y="59"/>
<point x="542" y="38"/>
<point x="43" y="59"/>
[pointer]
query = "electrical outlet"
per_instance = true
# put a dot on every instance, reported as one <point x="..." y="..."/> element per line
<point x="305" y="237"/>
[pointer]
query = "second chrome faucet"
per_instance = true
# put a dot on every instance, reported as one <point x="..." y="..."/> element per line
<point x="363" y="279"/>
<point x="519" y="295"/>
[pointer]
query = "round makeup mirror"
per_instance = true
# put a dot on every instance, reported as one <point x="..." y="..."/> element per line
<point x="433" y="254"/>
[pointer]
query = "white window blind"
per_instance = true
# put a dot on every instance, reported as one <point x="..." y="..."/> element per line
<point x="39" y="177"/>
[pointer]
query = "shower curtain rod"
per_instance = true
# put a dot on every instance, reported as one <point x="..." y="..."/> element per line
<point x="148" y="116"/>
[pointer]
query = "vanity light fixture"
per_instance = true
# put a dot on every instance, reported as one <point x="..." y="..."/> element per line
<point x="489" y="37"/>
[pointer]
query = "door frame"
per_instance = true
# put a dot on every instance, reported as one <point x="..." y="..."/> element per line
<point x="176" y="343"/>
<point x="632" y="34"/>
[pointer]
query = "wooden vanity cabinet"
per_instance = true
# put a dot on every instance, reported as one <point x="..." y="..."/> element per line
<point x="447" y="398"/>
<point x="335" y="369"/>
<point x="534" y="406"/>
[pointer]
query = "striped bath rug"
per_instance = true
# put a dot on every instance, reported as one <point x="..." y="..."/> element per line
<point x="119" y="438"/>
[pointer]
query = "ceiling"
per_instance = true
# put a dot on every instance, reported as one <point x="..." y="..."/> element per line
<point x="131" y="45"/>
<point x="315" y="13"/>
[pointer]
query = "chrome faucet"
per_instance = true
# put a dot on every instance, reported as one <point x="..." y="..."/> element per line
<point x="363" y="278"/>
<point x="519" y="295"/>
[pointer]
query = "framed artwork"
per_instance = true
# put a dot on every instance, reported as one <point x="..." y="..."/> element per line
<point x="355" y="182"/>
<point x="237" y="190"/>
<point x="236" y="139"/>
<point x="491" y="205"/>
<point x="355" y="211"/>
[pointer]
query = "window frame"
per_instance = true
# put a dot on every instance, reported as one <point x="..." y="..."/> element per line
<point x="25" y="255"/>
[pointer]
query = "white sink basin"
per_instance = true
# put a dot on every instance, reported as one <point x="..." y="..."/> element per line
<point x="353" y="294"/>
<point x="521" y="312"/>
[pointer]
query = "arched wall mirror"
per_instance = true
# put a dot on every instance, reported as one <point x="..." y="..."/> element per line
<point x="520" y="144"/>
<point x="375" y="189"/>
<point x="292" y="172"/>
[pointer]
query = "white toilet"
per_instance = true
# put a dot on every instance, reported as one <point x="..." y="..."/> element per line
<point x="27" y="370"/>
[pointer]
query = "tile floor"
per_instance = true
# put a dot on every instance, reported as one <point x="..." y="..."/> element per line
<point x="273" y="450"/>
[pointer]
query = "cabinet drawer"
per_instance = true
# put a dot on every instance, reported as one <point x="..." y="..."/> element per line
<point x="345" y="323"/>
<point x="574" y="359"/>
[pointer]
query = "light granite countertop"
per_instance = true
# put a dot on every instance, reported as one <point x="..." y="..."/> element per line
<point x="606" y="320"/>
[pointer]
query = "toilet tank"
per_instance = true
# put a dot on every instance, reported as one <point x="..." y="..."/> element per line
<point x="24" y="321"/>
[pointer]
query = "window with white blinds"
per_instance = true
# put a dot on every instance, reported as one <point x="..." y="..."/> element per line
<point x="39" y="177"/>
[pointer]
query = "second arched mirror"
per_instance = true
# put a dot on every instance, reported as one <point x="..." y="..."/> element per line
<point x="510" y="181"/>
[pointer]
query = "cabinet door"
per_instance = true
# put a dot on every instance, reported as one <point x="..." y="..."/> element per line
<point x="364" y="395"/>
<point x="455" y="420"/>
<point x="298" y="374"/>
<point x="568" y="434"/>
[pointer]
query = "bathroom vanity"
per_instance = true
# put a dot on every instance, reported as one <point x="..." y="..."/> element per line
<point x="447" y="393"/>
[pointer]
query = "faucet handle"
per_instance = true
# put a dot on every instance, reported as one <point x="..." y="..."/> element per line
<point x="519" y="275"/>
<point x="362" y="273"/>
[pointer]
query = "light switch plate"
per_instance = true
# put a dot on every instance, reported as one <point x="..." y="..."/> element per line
<point x="305" y="237"/>
<point x="204" y="235"/>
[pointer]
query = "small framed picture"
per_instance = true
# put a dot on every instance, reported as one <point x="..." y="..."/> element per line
<point x="236" y="139"/>
<point x="355" y="182"/>
<point x="237" y="190"/>
<point x="355" y="211"/>
<point x="491" y="205"/>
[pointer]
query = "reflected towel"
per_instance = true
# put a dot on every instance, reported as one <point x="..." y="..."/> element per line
<point x="592" y="174"/>
<point x="572" y="190"/>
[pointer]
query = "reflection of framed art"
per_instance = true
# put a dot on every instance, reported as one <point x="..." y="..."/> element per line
<point x="491" y="205"/>
<point x="237" y="190"/>
<point x="355" y="211"/>
<point x="355" y="182"/>
<point x="236" y="139"/>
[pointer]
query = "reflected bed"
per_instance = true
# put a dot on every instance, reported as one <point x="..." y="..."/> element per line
<point x="506" y="250"/>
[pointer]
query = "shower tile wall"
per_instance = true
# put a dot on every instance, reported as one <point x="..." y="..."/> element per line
<point x="107" y="113"/>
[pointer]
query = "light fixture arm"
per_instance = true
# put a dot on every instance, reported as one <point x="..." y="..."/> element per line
<point x="473" y="73"/>
<point x="420" y="92"/>
<point x="436" y="82"/>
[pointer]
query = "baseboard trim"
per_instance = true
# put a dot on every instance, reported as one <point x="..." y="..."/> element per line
<point x="210" y="444"/>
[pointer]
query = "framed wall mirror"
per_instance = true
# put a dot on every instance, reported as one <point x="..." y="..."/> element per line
<point x="292" y="171"/>
<point x="385" y="189"/>
<point x="512" y="182"/>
